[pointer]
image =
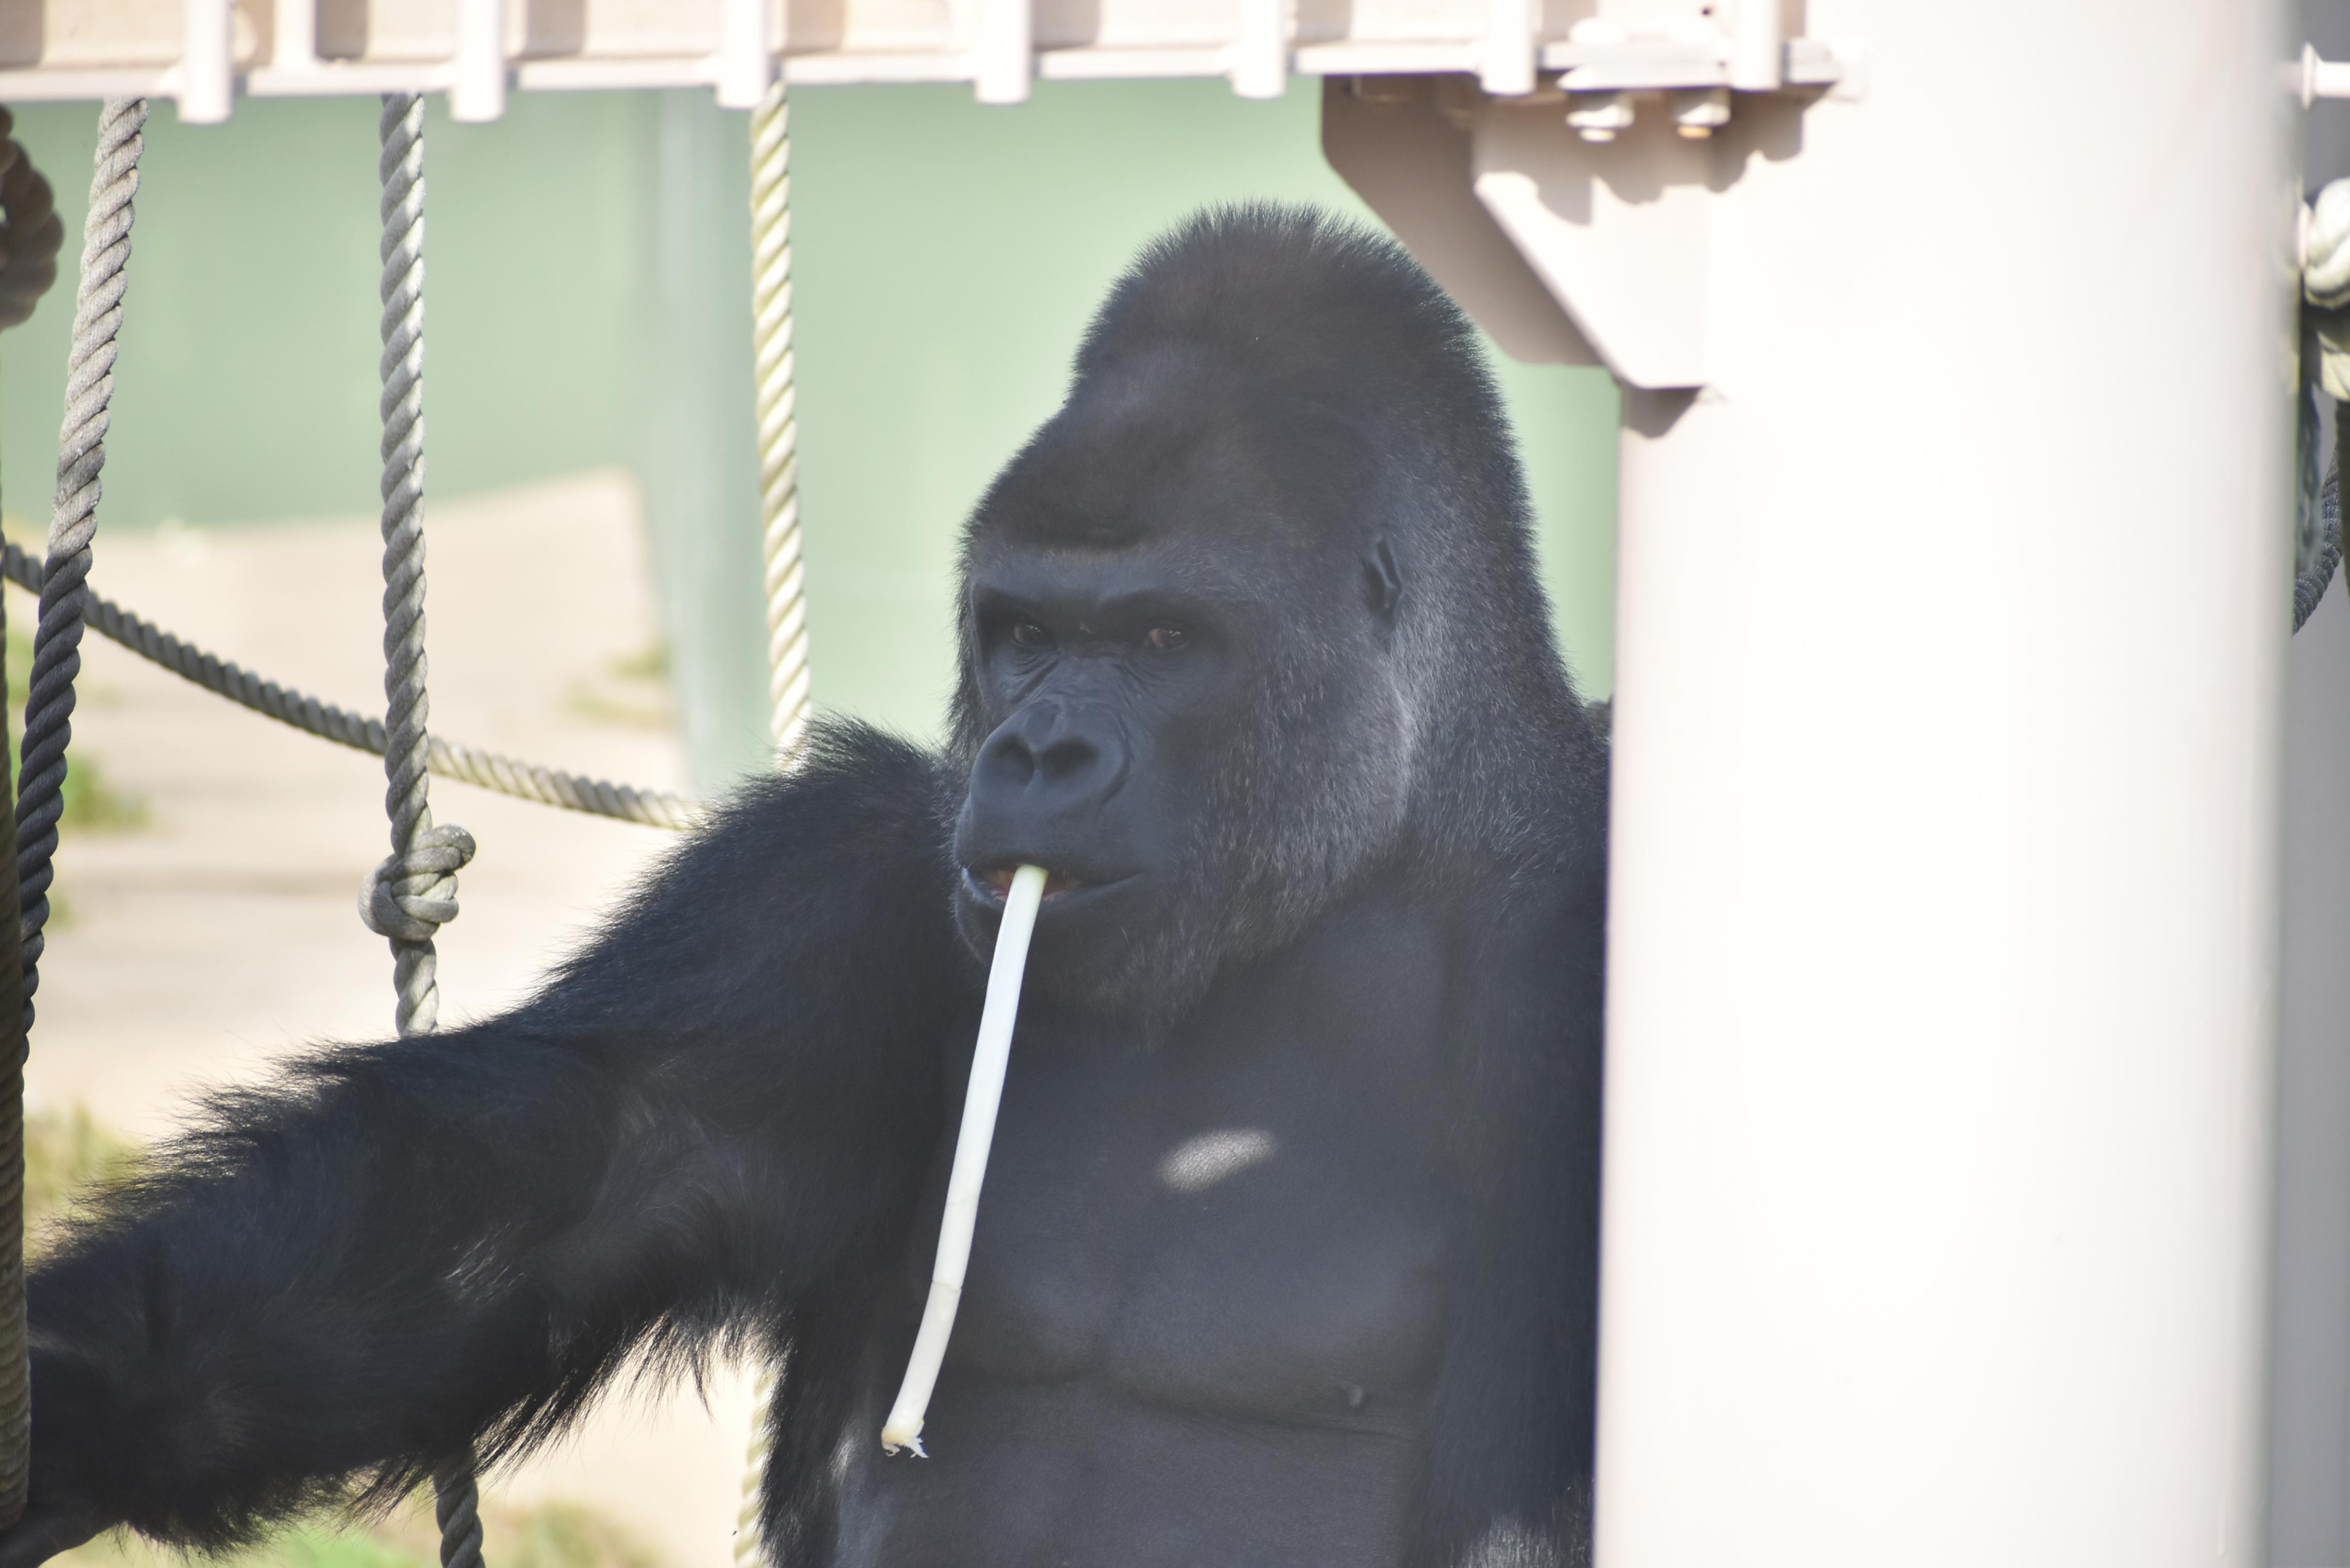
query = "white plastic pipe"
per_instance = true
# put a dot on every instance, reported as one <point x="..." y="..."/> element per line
<point x="294" y="35"/>
<point x="1507" y="69"/>
<point x="992" y="1057"/>
<point x="1944" y="879"/>
<point x="1757" y="42"/>
<point x="1260" y="49"/>
<point x="1003" y="51"/>
<point x="207" y="64"/>
<point x="477" y="83"/>
<point x="746" y="65"/>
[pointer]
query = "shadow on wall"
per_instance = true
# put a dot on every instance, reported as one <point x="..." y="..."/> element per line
<point x="589" y="304"/>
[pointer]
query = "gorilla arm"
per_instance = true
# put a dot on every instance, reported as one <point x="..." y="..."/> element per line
<point x="1508" y="1482"/>
<point x="405" y="1248"/>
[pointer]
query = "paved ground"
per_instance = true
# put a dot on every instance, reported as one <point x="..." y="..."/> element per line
<point x="224" y="934"/>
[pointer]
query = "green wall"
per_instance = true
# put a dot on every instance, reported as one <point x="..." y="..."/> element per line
<point x="587" y="288"/>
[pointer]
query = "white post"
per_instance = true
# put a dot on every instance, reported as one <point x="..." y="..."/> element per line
<point x="477" y="81"/>
<point x="1508" y="69"/>
<point x="1260" y="49"/>
<point x="294" y="35"/>
<point x="207" y="61"/>
<point x="1004" y="51"/>
<point x="1756" y="40"/>
<point x="745" y="67"/>
<point x="1943" y="933"/>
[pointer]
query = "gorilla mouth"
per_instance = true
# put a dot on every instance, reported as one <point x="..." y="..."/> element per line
<point x="998" y="881"/>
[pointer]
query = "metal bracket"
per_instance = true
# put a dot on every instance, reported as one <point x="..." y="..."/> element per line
<point x="1616" y="231"/>
<point x="1601" y="200"/>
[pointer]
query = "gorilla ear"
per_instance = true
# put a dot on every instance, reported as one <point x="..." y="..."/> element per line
<point x="1382" y="583"/>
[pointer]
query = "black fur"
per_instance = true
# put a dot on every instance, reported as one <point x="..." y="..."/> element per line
<point x="1342" y="848"/>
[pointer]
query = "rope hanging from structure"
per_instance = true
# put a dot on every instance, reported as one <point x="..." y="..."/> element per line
<point x="50" y="699"/>
<point x="413" y="892"/>
<point x="73" y="523"/>
<point x="789" y="703"/>
<point x="31" y="235"/>
<point x="779" y="463"/>
<point x="406" y="800"/>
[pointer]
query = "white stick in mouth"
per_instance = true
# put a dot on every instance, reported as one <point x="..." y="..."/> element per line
<point x="904" y="1428"/>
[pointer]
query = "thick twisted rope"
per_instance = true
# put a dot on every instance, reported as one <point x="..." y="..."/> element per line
<point x="750" y="1537"/>
<point x="789" y="708"/>
<point x="361" y="732"/>
<point x="457" y="1509"/>
<point x="406" y="801"/>
<point x="30" y="237"/>
<point x="2318" y="549"/>
<point x="414" y="891"/>
<point x="16" y="1363"/>
<point x="2324" y="367"/>
<point x="2326" y="250"/>
<point x="779" y="467"/>
<point x="73" y="525"/>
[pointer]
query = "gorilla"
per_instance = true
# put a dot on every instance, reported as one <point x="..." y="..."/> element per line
<point x="1288" y="1251"/>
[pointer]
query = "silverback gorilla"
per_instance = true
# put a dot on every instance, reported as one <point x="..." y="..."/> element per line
<point x="1288" y="1249"/>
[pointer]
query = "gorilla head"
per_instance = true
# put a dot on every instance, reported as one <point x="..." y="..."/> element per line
<point x="1251" y="615"/>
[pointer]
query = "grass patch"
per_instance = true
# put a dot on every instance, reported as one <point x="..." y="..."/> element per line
<point x="94" y="802"/>
<point x="65" y="1153"/>
<point x="649" y="662"/>
<point x="549" y="1535"/>
<point x="632" y="691"/>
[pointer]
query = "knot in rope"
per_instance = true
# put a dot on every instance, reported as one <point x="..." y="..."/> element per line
<point x="414" y="894"/>
<point x="2325" y="285"/>
<point x="2326" y="248"/>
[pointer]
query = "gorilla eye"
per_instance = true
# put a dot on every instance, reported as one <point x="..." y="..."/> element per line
<point x="1165" y="639"/>
<point x="1028" y="634"/>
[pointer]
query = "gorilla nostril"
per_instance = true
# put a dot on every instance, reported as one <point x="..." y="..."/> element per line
<point x="1066" y="759"/>
<point x="1008" y="762"/>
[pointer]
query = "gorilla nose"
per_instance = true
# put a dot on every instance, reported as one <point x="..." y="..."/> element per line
<point x="1052" y="756"/>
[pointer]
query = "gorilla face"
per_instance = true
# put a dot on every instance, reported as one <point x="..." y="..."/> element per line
<point x="1176" y="696"/>
<point x="1109" y="682"/>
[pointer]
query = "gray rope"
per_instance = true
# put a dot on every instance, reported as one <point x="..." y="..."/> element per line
<point x="2316" y="558"/>
<point x="73" y="525"/>
<point x="401" y="368"/>
<point x="361" y="732"/>
<point x="414" y="892"/>
<point x="2317" y="512"/>
<point x="2325" y="368"/>
<point x="30" y="237"/>
<point x="457" y="1509"/>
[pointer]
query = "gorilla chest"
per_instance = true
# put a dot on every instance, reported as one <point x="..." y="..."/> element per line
<point x="1246" y="1232"/>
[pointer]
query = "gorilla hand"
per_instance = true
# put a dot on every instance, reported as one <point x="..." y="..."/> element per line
<point x="62" y="1511"/>
<point x="46" y="1529"/>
